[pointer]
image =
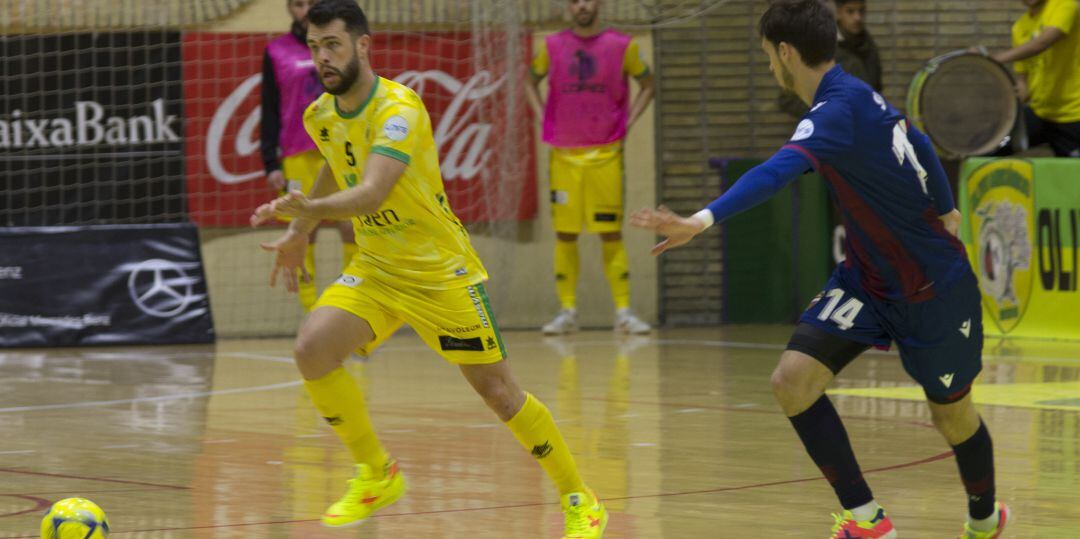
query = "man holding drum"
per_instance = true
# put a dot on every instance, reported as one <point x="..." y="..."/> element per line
<point x="1046" y="52"/>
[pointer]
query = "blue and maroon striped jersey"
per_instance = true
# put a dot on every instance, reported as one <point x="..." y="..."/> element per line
<point x="887" y="181"/>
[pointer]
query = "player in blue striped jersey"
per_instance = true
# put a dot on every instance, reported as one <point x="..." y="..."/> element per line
<point x="906" y="278"/>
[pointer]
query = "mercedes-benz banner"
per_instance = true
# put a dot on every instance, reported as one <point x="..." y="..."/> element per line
<point x="102" y="285"/>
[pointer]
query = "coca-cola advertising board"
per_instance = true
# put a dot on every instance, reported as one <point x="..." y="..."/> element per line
<point x="477" y="142"/>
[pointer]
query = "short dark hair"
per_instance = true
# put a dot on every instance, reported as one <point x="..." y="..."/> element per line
<point x="842" y="2"/>
<point x="807" y="25"/>
<point x="325" y="11"/>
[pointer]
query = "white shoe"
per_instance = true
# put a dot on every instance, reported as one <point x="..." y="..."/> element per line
<point x="564" y="322"/>
<point x="626" y="322"/>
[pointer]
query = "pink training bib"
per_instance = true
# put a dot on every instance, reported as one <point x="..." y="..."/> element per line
<point x="588" y="101"/>
<point x="298" y="85"/>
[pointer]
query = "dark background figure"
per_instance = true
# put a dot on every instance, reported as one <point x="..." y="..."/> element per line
<point x="856" y="52"/>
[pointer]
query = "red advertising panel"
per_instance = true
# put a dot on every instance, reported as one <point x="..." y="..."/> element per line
<point x="488" y="159"/>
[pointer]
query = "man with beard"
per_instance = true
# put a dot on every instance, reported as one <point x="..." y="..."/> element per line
<point x="415" y="266"/>
<point x="289" y="84"/>
<point x="586" y="117"/>
<point x="856" y="52"/>
<point x="1046" y="49"/>
<point x="906" y="277"/>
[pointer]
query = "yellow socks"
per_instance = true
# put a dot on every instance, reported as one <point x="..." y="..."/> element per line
<point x="308" y="292"/>
<point x="566" y="272"/>
<point x="535" y="429"/>
<point x="339" y="401"/>
<point x="348" y="250"/>
<point x="617" y="271"/>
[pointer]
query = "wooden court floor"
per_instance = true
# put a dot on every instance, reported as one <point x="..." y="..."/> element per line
<point x="678" y="432"/>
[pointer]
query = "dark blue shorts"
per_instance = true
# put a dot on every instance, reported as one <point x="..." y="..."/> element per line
<point x="940" y="339"/>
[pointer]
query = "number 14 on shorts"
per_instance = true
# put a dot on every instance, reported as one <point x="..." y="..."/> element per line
<point x="844" y="316"/>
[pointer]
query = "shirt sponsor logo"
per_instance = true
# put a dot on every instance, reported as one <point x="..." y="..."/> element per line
<point x="396" y="128"/>
<point x="803" y="132"/>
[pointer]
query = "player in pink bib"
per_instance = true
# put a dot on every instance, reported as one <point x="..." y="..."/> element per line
<point x="586" y="116"/>
<point x="289" y="84"/>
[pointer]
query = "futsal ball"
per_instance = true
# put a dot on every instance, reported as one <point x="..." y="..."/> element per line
<point x="75" y="518"/>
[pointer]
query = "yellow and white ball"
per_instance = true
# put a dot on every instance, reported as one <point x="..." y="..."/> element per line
<point x="75" y="518"/>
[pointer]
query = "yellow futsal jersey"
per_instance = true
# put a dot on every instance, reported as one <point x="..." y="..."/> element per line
<point x="1053" y="76"/>
<point x="414" y="238"/>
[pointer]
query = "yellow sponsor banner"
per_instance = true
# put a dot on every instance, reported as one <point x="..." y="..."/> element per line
<point x="1021" y="227"/>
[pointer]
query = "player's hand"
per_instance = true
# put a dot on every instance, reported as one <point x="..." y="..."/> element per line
<point x="952" y="222"/>
<point x="294" y="204"/>
<point x="276" y="179"/>
<point x="289" y="252"/>
<point x="665" y="222"/>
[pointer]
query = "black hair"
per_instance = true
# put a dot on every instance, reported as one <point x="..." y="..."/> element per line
<point x="842" y="2"/>
<point x="326" y="11"/>
<point x="807" y="25"/>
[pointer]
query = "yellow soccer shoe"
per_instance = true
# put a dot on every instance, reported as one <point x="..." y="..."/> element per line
<point x="365" y="495"/>
<point x="584" y="515"/>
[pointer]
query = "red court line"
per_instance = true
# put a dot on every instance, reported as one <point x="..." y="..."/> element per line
<point x="41" y="505"/>
<point x="754" y="410"/>
<point x="88" y="478"/>
<point x="927" y="460"/>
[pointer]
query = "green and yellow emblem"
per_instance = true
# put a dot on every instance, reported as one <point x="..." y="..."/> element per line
<point x="1001" y="199"/>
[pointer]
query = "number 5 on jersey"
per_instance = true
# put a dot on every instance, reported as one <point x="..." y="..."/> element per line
<point x="845" y="315"/>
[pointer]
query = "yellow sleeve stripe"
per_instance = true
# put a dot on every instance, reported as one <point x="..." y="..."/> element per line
<point x="390" y="152"/>
<point x="644" y="73"/>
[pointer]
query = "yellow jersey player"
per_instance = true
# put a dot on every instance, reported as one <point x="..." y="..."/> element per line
<point x="289" y="84"/>
<point x="415" y="266"/>
<point x="1046" y="49"/>
<point x="586" y="117"/>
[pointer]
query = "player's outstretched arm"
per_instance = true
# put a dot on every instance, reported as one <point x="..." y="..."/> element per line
<point x="288" y="205"/>
<point x="664" y="222"/>
<point x="755" y="187"/>
<point x="381" y="173"/>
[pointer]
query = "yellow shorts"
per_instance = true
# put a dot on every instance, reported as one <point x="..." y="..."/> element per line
<point x="457" y="323"/>
<point x="300" y="171"/>
<point x="587" y="189"/>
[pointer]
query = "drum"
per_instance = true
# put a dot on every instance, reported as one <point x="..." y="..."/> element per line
<point x="967" y="104"/>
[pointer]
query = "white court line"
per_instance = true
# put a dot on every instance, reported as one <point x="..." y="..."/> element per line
<point x="162" y="398"/>
<point x="279" y="359"/>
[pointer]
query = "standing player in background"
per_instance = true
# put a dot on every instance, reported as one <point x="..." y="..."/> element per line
<point x="856" y="52"/>
<point x="289" y="84"/>
<point x="1046" y="49"/>
<point x="415" y="266"/>
<point x="906" y="277"/>
<point x="586" y="117"/>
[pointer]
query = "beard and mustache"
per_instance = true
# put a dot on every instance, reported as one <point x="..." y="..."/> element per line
<point x="585" y="19"/>
<point x="346" y="78"/>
